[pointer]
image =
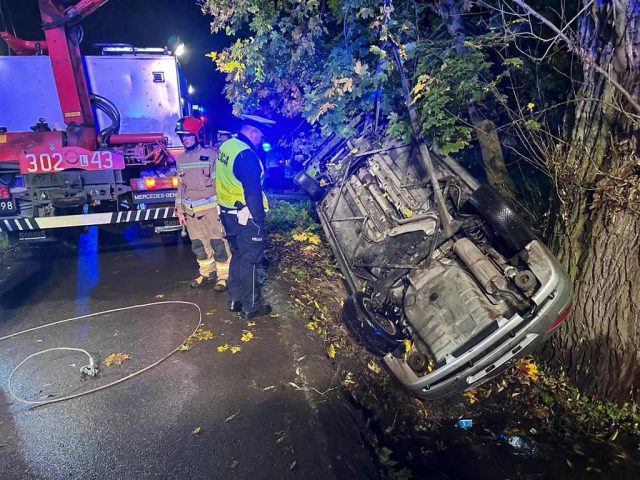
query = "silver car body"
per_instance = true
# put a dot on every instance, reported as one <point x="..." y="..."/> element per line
<point x="470" y="333"/>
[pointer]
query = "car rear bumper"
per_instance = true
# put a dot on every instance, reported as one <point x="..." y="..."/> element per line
<point x="513" y="338"/>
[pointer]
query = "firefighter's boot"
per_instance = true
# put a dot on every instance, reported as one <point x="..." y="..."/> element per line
<point x="201" y="281"/>
<point x="221" y="285"/>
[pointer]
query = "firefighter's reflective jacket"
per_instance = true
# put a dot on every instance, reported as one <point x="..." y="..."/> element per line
<point x="196" y="180"/>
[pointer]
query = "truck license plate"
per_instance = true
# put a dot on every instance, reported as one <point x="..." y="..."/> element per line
<point x="8" y="207"/>
<point x="52" y="161"/>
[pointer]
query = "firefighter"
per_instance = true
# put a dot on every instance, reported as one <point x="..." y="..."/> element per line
<point x="197" y="207"/>
<point x="243" y="207"/>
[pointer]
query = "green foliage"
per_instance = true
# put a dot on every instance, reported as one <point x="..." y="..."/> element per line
<point x="284" y="217"/>
<point x="325" y="61"/>
<point x="320" y="60"/>
<point x="4" y="241"/>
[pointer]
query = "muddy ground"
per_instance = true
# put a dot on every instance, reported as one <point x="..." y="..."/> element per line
<point x="415" y="439"/>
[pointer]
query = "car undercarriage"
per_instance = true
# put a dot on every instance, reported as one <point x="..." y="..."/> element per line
<point x="448" y="304"/>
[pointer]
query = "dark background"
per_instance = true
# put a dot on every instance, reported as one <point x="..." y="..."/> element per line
<point x="145" y="23"/>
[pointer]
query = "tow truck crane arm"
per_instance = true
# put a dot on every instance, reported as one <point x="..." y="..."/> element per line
<point x="60" y="21"/>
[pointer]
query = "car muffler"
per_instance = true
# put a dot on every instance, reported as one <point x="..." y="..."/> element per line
<point x="480" y="266"/>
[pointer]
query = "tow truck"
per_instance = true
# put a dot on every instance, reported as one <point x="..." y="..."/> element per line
<point x="86" y="140"/>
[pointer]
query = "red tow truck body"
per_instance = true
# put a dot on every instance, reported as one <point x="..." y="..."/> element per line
<point x="86" y="140"/>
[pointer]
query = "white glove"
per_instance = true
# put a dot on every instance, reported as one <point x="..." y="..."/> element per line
<point x="244" y="215"/>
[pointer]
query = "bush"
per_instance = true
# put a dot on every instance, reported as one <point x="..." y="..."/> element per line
<point x="284" y="217"/>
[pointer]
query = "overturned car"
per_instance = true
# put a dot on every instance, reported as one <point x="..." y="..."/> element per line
<point x="446" y="282"/>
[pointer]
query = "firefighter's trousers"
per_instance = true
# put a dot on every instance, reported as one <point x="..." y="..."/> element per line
<point x="211" y="249"/>
<point x="247" y="248"/>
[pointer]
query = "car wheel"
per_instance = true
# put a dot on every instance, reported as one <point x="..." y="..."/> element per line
<point x="375" y="332"/>
<point x="309" y="185"/>
<point x="502" y="218"/>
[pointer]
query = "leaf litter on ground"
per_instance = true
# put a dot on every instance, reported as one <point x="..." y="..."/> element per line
<point x="201" y="334"/>
<point x="230" y="348"/>
<point x="116" y="359"/>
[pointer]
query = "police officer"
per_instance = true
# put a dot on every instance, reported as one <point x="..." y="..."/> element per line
<point x="243" y="207"/>
<point x="197" y="207"/>
<point x="223" y="136"/>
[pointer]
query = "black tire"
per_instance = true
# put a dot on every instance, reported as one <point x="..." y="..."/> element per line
<point x="309" y="186"/>
<point x="502" y="218"/>
<point x="379" y="337"/>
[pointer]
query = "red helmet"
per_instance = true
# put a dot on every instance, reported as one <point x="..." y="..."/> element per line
<point x="190" y="126"/>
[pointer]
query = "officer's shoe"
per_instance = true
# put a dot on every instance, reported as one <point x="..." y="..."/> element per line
<point x="221" y="286"/>
<point x="201" y="281"/>
<point x="261" y="311"/>
<point x="235" y="306"/>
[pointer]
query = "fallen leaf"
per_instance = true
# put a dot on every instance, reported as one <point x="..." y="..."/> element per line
<point x="223" y="348"/>
<point x="470" y="395"/>
<point x="246" y="336"/>
<point x="527" y="370"/>
<point x="233" y="464"/>
<point x="116" y="359"/>
<point x="251" y="324"/>
<point x="293" y="465"/>
<point x="373" y="366"/>
<point x="235" y="348"/>
<point x="198" y="336"/>
<point x="348" y="379"/>
<point x="196" y="430"/>
<point x="202" y="334"/>
<point x="331" y="351"/>
<point x="160" y="296"/>
<point x="231" y="417"/>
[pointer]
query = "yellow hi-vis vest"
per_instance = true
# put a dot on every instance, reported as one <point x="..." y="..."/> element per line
<point x="228" y="187"/>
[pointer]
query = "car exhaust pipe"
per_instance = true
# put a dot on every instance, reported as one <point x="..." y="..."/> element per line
<point x="482" y="269"/>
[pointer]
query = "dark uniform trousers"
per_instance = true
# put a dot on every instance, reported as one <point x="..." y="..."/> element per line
<point x="247" y="248"/>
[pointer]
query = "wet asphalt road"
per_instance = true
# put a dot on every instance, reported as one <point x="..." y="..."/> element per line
<point x="253" y="422"/>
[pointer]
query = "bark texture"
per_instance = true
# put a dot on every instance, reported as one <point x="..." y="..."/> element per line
<point x="597" y="233"/>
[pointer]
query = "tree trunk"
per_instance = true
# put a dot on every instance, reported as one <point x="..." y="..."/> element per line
<point x="491" y="149"/>
<point x="486" y="132"/>
<point x="597" y="232"/>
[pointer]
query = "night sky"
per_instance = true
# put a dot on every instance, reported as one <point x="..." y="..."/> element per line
<point x="145" y="23"/>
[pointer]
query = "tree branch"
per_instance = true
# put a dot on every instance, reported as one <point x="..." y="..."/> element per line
<point x="581" y="52"/>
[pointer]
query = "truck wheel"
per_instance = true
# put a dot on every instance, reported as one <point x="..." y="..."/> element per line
<point x="375" y="332"/>
<point x="501" y="217"/>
